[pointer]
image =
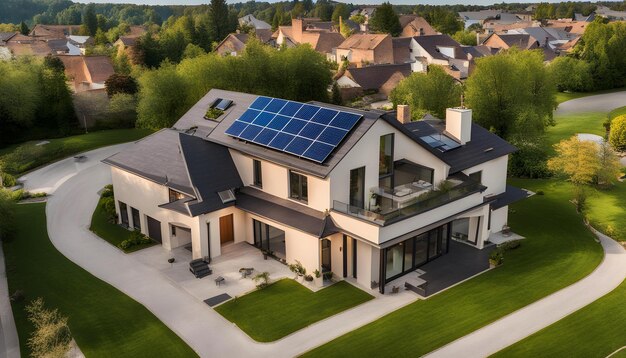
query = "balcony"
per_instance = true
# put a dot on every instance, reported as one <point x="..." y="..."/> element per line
<point x="389" y="206"/>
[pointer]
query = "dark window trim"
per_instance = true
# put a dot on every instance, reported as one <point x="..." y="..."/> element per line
<point x="354" y="255"/>
<point x="345" y="255"/>
<point x="208" y="235"/>
<point x="362" y="182"/>
<point x="299" y="198"/>
<point x="393" y="141"/>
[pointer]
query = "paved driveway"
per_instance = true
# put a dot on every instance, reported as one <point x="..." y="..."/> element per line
<point x="598" y="103"/>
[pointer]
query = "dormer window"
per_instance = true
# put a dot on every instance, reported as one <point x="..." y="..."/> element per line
<point x="226" y="196"/>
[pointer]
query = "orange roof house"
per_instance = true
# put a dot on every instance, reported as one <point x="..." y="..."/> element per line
<point x="361" y="49"/>
<point x="322" y="40"/>
<point x="87" y="73"/>
<point x="413" y="25"/>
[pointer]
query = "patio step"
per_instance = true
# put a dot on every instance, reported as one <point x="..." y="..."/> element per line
<point x="199" y="268"/>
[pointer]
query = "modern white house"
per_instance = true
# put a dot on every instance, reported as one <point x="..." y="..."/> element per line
<point x="368" y="195"/>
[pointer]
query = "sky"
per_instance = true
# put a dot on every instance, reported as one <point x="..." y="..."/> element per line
<point x="365" y="2"/>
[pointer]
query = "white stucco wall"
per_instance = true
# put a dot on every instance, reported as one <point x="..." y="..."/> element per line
<point x="499" y="218"/>
<point x="494" y="174"/>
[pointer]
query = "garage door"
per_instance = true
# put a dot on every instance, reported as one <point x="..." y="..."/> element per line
<point x="154" y="229"/>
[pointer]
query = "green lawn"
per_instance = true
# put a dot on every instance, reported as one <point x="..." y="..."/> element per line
<point x="286" y="306"/>
<point x="596" y="330"/>
<point x="558" y="251"/>
<point x="570" y="124"/>
<point x="36" y="156"/>
<point x="112" y="233"/>
<point x="566" y="96"/>
<point x="103" y="321"/>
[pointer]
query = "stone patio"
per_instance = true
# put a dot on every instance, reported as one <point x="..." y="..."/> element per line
<point x="234" y="257"/>
<point x="499" y="238"/>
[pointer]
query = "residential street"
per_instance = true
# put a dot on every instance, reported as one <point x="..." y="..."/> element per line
<point x="598" y="103"/>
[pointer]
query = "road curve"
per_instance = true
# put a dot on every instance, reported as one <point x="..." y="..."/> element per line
<point x="596" y="103"/>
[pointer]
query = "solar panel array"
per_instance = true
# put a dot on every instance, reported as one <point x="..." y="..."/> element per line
<point x="305" y="130"/>
<point x="440" y="142"/>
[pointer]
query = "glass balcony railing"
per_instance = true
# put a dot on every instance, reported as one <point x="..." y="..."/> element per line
<point x="390" y="208"/>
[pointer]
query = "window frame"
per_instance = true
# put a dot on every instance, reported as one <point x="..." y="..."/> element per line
<point x="301" y="179"/>
<point x="257" y="173"/>
<point x="389" y="174"/>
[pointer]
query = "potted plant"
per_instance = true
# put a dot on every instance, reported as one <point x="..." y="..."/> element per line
<point x="373" y="200"/>
<point x="496" y="257"/>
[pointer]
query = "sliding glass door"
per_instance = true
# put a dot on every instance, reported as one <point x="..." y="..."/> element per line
<point x="267" y="237"/>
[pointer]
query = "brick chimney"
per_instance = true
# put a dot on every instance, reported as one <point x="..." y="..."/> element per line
<point x="403" y="113"/>
<point x="459" y="124"/>
<point x="297" y="26"/>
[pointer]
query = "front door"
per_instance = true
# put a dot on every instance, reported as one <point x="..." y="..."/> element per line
<point x="227" y="231"/>
<point x="154" y="229"/>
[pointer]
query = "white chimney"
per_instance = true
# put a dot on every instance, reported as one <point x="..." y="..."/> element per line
<point x="403" y="113"/>
<point x="459" y="124"/>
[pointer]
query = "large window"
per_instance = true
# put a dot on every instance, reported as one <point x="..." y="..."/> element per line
<point x="257" y="174"/>
<point x="477" y="176"/>
<point x="298" y="187"/>
<point x="136" y="218"/>
<point x="357" y="187"/>
<point x="408" y="255"/>
<point x="123" y="213"/>
<point x="267" y="237"/>
<point x="385" y="161"/>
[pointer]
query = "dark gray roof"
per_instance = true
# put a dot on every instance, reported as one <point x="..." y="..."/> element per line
<point x="429" y="44"/>
<point x="373" y="77"/>
<point x="511" y="195"/>
<point x="58" y="45"/>
<point x="184" y="163"/>
<point x="211" y="170"/>
<point x="215" y="132"/>
<point x="286" y="212"/>
<point x="6" y="36"/>
<point x="156" y="157"/>
<point x="483" y="147"/>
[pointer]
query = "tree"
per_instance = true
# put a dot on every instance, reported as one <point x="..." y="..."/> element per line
<point x="7" y="212"/>
<point x="603" y="47"/>
<point x="147" y="51"/>
<point x="512" y="94"/>
<point x="161" y="98"/>
<point x="609" y="165"/>
<point x="51" y="337"/>
<point x="617" y="136"/>
<point x="345" y="30"/>
<point x="119" y="83"/>
<point x="576" y="159"/>
<point x="467" y="38"/>
<point x="219" y="25"/>
<point x="571" y="74"/>
<point x="341" y="10"/>
<point x="100" y="38"/>
<point x="323" y="10"/>
<point x="58" y="111"/>
<point x="90" y="21"/>
<point x="358" y="18"/>
<point x="443" y="20"/>
<point x="430" y="92"/>
<point x="122" y="110"/>
<point x="336" y="95"/>
<point x="193" y="51"/>
<point x="54" y="63"/>
<point x="385" y="20"/>
<point x="24" y="30"/>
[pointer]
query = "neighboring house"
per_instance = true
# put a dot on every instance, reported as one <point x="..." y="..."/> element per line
<point x="6" y="36"/>
<point x="413" y="25"/>
<point x="584" y="18"/>
<point x="401" y="49"/>
<point x="367" y="12"/>
<point x="364" y="206"/>
<point x="439" y="50"/>
<point x="508" y="40"/>
<point x="546" y="36"/>
<point x="79" y="42"/>
<point x="255" y="23"/>
<point x="491" y="27"/>
<point x="22" y="45"/>
<point x="470" y="18"/>
<point x="573" y="27"/>
<point x="51" y="32"/>
<point x="87" y="73"/>
<point x="363" y="49"/>
<point x="379" y="79"/>
<point x="126" y="45"/>
<point x="610" y="14"/>
<point x="322" y="41"/>
<point x="235" y="43"/>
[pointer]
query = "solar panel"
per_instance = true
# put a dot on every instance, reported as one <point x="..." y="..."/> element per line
<point x="441" y="142"/>
<point x="306" y="130"/>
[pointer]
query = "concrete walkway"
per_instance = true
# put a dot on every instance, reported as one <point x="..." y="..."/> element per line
<point x="69" y="213"/>
<point x="598" y="103"/>
<point x="530" y="319"/>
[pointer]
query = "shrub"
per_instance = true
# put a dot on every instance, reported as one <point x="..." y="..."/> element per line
<point x="308" y="278"/>
<point x="108" y="205"/>
<point x="51" y="337"/>
<point x="7" y="215"/>
<point x="17" y="296"/>
<point x="213" y="113"/>
<point x="530" y="161"/>
<point x="136" y="238"/>
<point x="510" y="245"/>
<point x="328" y="275"/>
<point x="264" y="278"/>
<point x="539" y="192"/>
<point x="297" y="268"/>
<point x="496" y="257"/>
<point x="617" y="136"/>
<point x="8" y="180"/>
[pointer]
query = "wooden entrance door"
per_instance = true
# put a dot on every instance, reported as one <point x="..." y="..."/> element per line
<point x="227" y="231"/>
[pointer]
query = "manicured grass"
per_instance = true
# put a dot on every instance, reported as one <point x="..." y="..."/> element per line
<point x="110" y="232"/>
<point x="103" y="321"/>
<point x="617" y="112"/>
<point x="566" y="96"/>
<point x="286" y="306"/>
<point x="64" y="147"/>
<point x="558" y="251"/>
<point x="596" y="330"/>
<point x="570" y="124"/>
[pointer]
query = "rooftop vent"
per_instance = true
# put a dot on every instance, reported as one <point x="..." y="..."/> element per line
<point x="488" y="150"/>
<point x="226" y="196"/>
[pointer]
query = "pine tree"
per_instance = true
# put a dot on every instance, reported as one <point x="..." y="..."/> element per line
<point x="90" y="20"/>
<point x="24" y="30"/>
<point x="385" y="20"/>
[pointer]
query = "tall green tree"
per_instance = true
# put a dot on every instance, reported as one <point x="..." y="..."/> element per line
<point x="323" y="10"/>
<point x="341" y="10"/>
<point x="430" y="92"/>
<point x="161" y="96"/>
<point x="90" y="20"/>
<point x="219" y="24"/>
<point x="7" y="213"/>
<point x="571" y="74"/>
<point x="512" y="94"/>
<point x="385" y="20"/>
<point x="24" y="30"/>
